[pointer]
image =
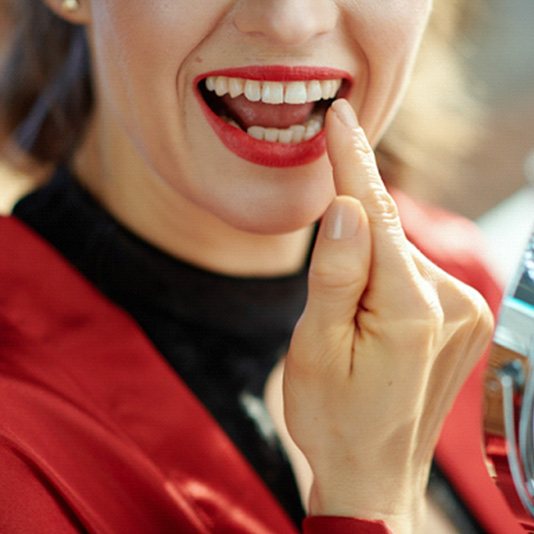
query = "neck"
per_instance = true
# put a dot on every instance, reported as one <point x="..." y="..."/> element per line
<point x="145" y="204"/>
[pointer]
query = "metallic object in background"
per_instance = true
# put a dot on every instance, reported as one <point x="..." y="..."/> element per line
<point x="509" y="394"/>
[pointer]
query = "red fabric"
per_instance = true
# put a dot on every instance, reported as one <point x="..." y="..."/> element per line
<point x="104" y="425"/>
<point x="98" y="433"/>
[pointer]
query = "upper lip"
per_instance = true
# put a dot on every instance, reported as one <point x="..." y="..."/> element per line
<point x="279" y="73"/>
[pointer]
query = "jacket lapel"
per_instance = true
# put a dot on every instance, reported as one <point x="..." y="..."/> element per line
<point x="89" y="401"/>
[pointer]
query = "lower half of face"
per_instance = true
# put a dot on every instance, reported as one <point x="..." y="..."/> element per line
<point x="225" y="100"/>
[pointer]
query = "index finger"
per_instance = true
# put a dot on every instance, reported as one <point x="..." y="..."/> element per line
<point x="356" y="174"/>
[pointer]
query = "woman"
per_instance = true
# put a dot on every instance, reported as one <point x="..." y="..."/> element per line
<point x="218" y="133"/>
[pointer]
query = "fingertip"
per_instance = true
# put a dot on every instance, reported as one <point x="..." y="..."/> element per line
<point x="343" y="130"/>
<point x="345" y="113"/>
<point x="345" y="146"/>
<point x="341" y="123"/>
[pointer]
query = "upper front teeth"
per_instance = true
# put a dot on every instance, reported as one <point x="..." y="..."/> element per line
<point x="274" y="92"/>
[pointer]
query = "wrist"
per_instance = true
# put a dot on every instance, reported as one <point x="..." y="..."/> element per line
<point x="400" y="511"/>
<point x="343" y="525"/>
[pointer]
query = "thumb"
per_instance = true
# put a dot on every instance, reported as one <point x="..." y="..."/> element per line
<point x="339" y="269"/>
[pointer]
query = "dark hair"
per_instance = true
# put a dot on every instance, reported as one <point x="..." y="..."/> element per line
<point x="45" y="84"/>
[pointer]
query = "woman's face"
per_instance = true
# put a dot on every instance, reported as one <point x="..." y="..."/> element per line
<point x="180" y="80"/>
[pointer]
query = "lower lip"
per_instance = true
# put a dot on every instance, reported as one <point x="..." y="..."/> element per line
<point x="263" y="152"/>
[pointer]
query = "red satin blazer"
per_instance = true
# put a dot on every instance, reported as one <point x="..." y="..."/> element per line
<point x="98" y="434"/>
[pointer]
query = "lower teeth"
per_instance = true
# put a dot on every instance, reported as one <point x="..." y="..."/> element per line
<point x="294" y="134"/>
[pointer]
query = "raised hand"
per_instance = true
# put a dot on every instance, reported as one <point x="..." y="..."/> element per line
<point x="383" y="346"/>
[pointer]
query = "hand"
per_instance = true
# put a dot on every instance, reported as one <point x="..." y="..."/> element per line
<point x="383" y="346"/>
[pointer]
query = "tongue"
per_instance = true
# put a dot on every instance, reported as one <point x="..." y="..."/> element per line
<point x="249" y="113"/>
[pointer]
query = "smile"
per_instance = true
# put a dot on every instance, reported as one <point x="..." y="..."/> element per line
<point x="272" y="115"/>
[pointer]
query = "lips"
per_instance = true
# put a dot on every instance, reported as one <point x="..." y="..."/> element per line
<point x="271" y="116"/>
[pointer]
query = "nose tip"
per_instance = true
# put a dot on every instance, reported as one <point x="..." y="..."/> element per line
<point x="286" y="22"/>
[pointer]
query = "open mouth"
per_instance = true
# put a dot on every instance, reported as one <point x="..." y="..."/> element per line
<point x="276" y="112"/>
<point x="274" y="115"/>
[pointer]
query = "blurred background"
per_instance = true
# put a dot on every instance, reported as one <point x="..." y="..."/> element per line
<point x="498" y="56"/>
<point x="501" y="71"/>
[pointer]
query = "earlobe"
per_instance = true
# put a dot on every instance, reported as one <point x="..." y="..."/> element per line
<point x="73" y="11"/>
<point x="70" y="5"/>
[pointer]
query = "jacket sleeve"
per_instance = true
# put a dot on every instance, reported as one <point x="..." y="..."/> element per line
<point x="343" y="525"/>
<point x="27" y="504"/>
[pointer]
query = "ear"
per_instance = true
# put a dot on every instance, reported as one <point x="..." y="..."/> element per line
<point x="73" y="11"/>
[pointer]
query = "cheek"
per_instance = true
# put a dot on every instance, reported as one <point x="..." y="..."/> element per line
<point x="139" y="48"/>
<point x="388" y="34"/>
<point x="389" y="30"/>
<point x="157" y="28"/>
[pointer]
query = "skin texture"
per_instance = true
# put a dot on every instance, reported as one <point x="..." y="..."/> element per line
<point x="382" y="375"/>
<point x="151" y="154"/>
<point x="380" y="317"/>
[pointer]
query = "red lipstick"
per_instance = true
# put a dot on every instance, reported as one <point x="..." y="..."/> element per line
<point x="270" y="154"/>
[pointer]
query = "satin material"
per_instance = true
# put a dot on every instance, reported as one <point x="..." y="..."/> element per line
<point x="222" y="335"/>
<point x="90" y="447"/>
<point x="87" y="446"/>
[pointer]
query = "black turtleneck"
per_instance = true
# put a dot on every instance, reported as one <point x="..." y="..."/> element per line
<point x="221" y="334"/>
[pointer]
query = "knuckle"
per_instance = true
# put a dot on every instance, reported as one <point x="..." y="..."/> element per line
<point x="435" y="317"/>
<point x="472" y="310"/>
<point x="482" y="322"/>
<point x="424" y="322"/>
<point x="381" y="206"/>
<point x="423" y="333"/>
<point x="361" y="145"/>
<point x="386" y="203"/>
<point x="426" y="305"/>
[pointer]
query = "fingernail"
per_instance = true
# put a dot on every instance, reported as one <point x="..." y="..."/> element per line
<point x="345" y="113"/>
<point x="342" y="221"/>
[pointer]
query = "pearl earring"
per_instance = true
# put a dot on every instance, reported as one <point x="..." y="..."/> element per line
<point x="70" y="5"/>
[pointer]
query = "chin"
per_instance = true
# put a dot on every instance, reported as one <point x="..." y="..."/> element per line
<point x="270" y="216"/>
<point x="275" y="225"/>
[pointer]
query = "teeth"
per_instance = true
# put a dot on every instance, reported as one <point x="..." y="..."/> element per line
<point x="329" y="88"/>
<point x="257" y="132"/>
<point x="294" y="134"/>
<point x="272" y="93"/>
<point x="210" y="83"/>
<point x="285" y="136"/>
<point x="230" y="121"/>
<point x="297" y="92"/>
<point x="252" y="90"/>
<point x="269" y="92"/>
<point x="221" y="86"/>
<point x="313" y="127"/>
<point x="298" y="131"/>
<point x="314" y="91"/>
<point x="271" y="134"/>
<point x="236" y="86"/>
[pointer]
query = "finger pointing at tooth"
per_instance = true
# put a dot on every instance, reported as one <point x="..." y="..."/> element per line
<point x="380" y="351"/>
<point x="356" y="174"/>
